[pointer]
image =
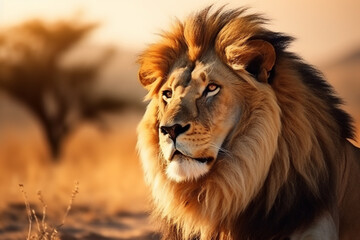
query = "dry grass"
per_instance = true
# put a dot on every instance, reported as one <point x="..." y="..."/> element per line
<point x="104" y="160"/>
<point x="43" y="230"/>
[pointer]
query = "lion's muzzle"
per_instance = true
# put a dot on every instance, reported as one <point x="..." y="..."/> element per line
<point x="184" y="162"/>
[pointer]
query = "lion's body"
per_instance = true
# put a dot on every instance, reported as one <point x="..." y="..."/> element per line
<point x="236" y="153"/>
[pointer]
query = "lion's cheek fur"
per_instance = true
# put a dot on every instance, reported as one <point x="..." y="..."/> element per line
<point x="253" y="147"/>
<point x="148" y="142"/>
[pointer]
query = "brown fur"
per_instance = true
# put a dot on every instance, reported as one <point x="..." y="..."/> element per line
<point x="285" y="163"/>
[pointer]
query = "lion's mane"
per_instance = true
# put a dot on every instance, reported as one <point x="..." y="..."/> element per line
<point x="303" y="174"/>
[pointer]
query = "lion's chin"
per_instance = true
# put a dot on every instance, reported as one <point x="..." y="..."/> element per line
<point x="184" y="169"/>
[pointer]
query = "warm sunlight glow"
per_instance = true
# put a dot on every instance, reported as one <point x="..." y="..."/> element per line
<point x="329" y="25"/>
<point x="71" y="100"/>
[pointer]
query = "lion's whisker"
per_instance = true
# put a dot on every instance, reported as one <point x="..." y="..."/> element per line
<point x="222" y="150"/>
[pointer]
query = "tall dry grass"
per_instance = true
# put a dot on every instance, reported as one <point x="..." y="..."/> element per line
<point x="102" y="158"/>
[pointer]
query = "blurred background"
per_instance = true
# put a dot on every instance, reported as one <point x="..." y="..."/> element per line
<point x="70" y="100"/>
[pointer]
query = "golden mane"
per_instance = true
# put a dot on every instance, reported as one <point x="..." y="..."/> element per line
<point x="197" y="35"/>
<point x="306" y="170"/>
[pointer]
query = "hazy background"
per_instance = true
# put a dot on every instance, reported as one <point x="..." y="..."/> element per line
<point x="70" y="100"/>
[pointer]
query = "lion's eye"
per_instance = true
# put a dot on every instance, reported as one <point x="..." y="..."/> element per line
<point x="167" y="94"/>
<point x="212" y="89"/>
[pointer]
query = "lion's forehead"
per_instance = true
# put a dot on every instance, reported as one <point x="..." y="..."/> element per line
<point x="189" y="81"/>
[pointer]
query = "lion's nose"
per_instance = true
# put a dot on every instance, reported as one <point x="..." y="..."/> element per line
<point x="174" y="131"/>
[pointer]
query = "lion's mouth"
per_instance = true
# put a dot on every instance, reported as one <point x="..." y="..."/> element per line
<point x="177" y="154"/>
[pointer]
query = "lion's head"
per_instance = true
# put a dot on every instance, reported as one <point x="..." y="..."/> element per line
<point x="230" y="121"/>
<point x="202" y="107"/>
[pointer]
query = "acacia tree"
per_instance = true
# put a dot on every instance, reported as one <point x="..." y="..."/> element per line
<point x="31" y="71"/>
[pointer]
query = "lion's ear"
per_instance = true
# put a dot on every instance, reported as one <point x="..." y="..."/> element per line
<point x="150" y="81"/>
<point x="256" y="56"/>
<point x="146" y="78"/>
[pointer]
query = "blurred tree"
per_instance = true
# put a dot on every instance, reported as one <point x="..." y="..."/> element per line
<point x="31" y="71"/>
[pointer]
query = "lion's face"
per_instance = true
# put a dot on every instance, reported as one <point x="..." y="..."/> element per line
<point x="198" y="109"/>
<point x="203" y="104"/>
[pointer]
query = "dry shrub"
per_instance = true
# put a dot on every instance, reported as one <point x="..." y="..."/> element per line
<point x="43" y="230"/>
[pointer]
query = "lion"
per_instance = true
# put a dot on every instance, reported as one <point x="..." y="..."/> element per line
<point x="242" y="139"/>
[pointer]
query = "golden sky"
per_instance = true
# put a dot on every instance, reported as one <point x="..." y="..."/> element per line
<point x="322" y="27"/>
